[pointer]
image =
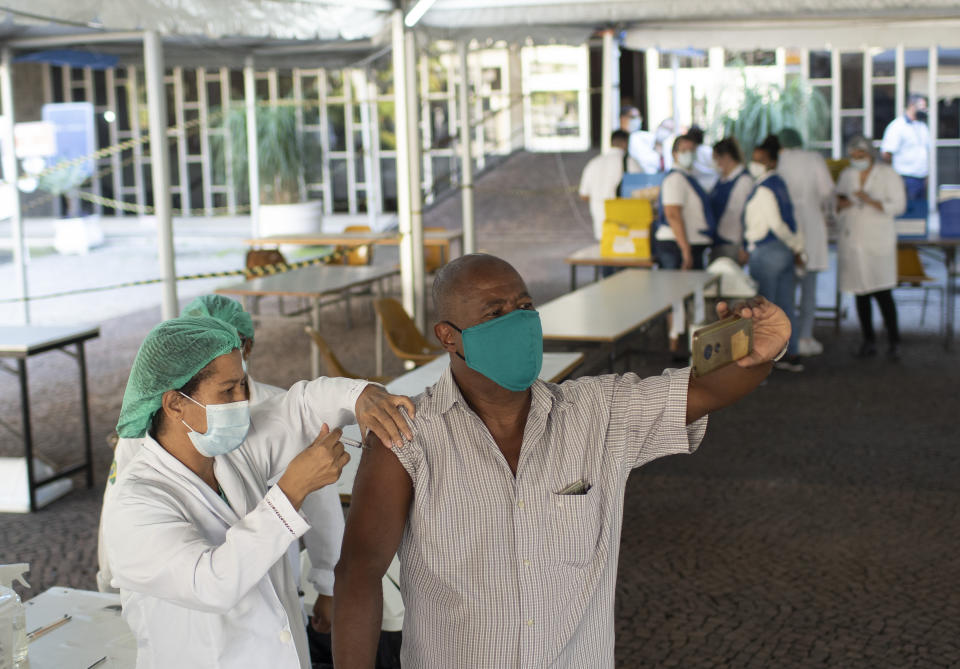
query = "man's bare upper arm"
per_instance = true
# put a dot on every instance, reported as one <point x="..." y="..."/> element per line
<point x="382" y="493"/>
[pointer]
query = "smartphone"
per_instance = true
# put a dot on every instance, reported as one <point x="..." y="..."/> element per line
<point x="720" y="343"/>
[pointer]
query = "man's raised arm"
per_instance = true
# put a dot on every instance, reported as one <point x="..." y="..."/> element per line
<point x="381" y="498"/>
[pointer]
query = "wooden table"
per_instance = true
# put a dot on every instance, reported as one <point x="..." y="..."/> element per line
<point x="949" y="247"/>
<point x="315" y="283"/>
<point x="21" y="342"/>
<point x="556" y="367"/>
<point x="95" y="630"/>
<point x="590" y="256"/>
<point x="441" y="238"/>
<point x="608" y="311"/>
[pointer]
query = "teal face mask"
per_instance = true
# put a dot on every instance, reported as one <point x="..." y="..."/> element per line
<point x="507" y="350"/>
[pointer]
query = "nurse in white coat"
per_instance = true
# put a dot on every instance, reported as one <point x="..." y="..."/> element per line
<point x="194" y="533"/>
<point x="869" y="196"/>
<point x="811" y="191"/>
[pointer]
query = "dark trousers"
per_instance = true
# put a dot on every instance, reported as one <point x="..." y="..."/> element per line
<point x="916" y="189"/>
<point x="888" y="310"/>
<point x="669" y="256"/>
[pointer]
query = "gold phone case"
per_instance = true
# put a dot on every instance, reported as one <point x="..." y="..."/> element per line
<point x="720" y="343"/>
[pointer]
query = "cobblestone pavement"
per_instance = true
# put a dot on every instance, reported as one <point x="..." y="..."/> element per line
<point x="817" y="526"/>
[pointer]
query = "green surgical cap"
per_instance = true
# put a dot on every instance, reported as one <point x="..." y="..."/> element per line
<point x="224" y="308"/>
<point x="790" y="138"/>
<point x="171" y="355"/>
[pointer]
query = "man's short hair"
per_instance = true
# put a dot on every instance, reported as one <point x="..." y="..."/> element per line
<point x="627" y="110"/>
<point x="620" y="136"/>
<point x="695" y="133"/>
<point x="728" y="146"/>
<point x="914" y="98"/>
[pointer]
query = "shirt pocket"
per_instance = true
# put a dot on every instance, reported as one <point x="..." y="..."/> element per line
<point x="577" y="523"/>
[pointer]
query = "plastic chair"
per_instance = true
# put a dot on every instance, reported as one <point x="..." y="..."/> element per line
<point x="333" y="364"/>
<point x="912" y="274"/>
<point x="357" y="255"/>
<point x="403" y="337"/>
<point x="259" y="258"/>
<point x="434" y="257"/>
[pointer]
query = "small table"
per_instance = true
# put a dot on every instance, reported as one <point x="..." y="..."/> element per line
<point x="23" y="341"/>
<point x="608" y="311"/>
<point x="590" y="256"/>
<point x="556" y="367"/>
<point x="95" y="630"/>
<point x="949" y="246"/>
<point x="440" y="238"/>
<point x="314" y="283"/>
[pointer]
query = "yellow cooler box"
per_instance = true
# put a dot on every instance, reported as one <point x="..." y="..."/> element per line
<point x="626" y="228"/>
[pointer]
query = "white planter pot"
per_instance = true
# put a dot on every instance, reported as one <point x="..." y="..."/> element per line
<point x="76" y="236"/>
<point x="303" y="218"/>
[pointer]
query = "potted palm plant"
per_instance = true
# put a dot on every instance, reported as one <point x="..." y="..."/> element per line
<point x="770" y="108"/>
<point x="74" y="233"/>
<point x="280" y="155"/>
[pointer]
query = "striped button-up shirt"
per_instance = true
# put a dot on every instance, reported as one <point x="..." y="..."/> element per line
<point x="501" y="571"/>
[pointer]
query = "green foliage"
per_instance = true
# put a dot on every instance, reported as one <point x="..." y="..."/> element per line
<point x="771" y="108"/>
<point x="279" y="151"/>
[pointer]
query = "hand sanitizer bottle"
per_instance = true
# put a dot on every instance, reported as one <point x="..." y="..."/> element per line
<point x="13" y="623"/>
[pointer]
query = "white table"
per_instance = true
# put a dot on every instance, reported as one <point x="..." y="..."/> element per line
<point x="22" y="341"/>
<point x="315" y="283"/>
<point x="608" y="311"/>
<point x="95" y="630"/>
<point x="556" y="367"/>
<point x="590" y="256"/>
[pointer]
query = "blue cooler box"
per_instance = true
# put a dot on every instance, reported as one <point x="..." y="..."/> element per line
<point x="950" y="218"/>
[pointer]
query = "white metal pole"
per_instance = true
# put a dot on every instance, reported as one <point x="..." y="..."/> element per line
<point x="416" y="189"/>
<point x="370" y="187"/>
<point x="10" y="176"/>
<point x="400" y="92"/>
<point x="160" y="167"/>
<point x="835" y="126"/>
<point x="253" y="155"/>
<point x="606" y="91"/>
<point x="933" y="122"/>
<point x="900" y="85"/>
<point x="466" y="154"/>
<point x="675" y="67"/>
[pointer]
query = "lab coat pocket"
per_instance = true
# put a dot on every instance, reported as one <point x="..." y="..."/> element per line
<point x="577" y="523"/>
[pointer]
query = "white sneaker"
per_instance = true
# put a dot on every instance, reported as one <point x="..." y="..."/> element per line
<point x="809" y="347"/>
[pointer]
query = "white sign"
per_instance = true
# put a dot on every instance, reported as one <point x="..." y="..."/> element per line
<point x="37" y="139"/>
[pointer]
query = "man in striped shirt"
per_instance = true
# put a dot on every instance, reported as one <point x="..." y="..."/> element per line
<point x="507" y="506"/>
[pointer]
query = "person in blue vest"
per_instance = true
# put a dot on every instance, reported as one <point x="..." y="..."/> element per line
<point x="775" y="243"/>
<point x="685" y="227"/>
<point x="727" y="200"/>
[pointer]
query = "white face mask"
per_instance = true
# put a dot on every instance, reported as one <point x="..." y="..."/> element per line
<point x="227" y="427"/>
<point x="685" y="159"/>
<point x="633" y="124"/>
<point x="757" y="170"/>
<point x="860" y="165"/>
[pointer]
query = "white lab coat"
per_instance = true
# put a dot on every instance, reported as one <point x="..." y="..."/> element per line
<point x="867" y="245"/>
<point x="205" y="584"/>
<point x="599" y="182"/>
<point x="810" y="186"/>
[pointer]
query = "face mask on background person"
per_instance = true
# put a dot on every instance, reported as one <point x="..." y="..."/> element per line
<point x="861" y="164"/>
<point x="227" y="427"/>
<point x="922" y="116"/>
<point x="507" y="350"/>
<point x="685" y="159"/>
<point x="757" y="170"/>
<point x="633" y="124"/>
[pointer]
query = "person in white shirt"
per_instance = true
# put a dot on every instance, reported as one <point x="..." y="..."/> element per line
<point x="640" y="145"/>
<point x="906" y="144"/>
<point x="601" y="178"/>
<point x="727" y="200"/>
<point x="811" y="191"/>
<point x="194" y="532"/>
<point x="774" y="240"/>
<point x="704" y="170"/>
<point x="869" y="195"/>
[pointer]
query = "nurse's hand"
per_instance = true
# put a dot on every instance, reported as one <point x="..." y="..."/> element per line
<point x="317" y="466"/>
<point x="379" y="411"/>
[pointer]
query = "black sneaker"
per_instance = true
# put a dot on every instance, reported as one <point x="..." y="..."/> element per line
<point x="790" y="363"/>
<point x="867" y="349"/>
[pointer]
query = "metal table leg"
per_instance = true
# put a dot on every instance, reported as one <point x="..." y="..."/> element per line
<point x="573" y="278"/>
<point x="314" y="351"/>
<point x="85" y="411"/>
<point x="951" y="291"/>
<point x="378" y="337"/>
<point x="27" y="433"/>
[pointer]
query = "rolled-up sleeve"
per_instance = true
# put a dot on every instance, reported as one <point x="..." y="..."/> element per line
<point x="653" y="414"/>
